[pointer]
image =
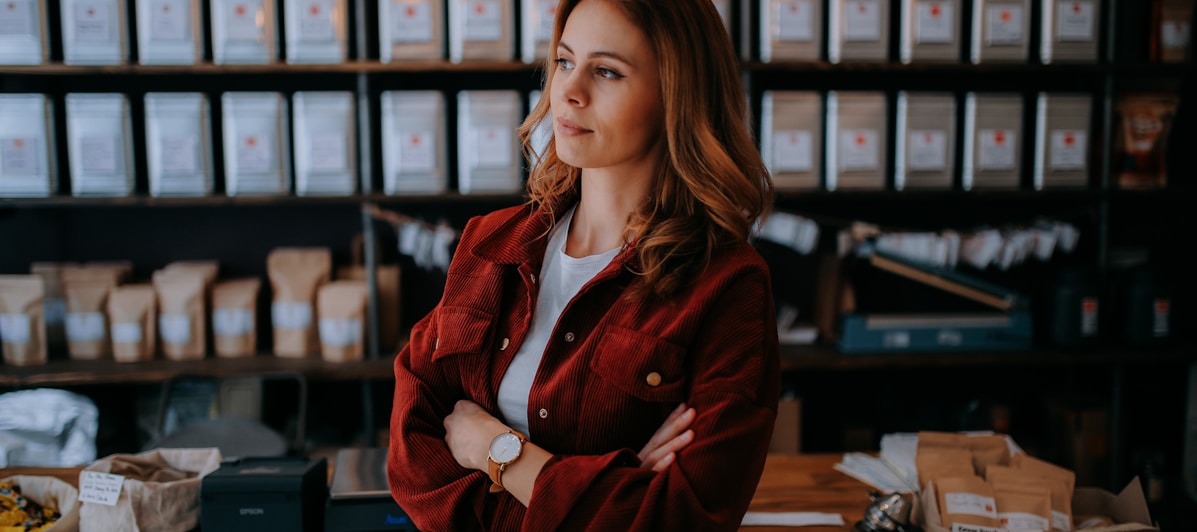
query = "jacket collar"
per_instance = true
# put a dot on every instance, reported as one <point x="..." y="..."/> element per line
<point x="520" y="236"/>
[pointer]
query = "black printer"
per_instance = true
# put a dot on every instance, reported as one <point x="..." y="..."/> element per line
<point x="287" y="494"/>
<point x="360" y="500"/>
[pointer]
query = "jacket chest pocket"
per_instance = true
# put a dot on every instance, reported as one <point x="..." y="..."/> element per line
<point x="460" y="331"/>
<point x="642" y="366"/>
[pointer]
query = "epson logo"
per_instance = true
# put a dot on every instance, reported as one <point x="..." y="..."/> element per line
<point x="392" y="520"/>
<point x="253" y="511"/>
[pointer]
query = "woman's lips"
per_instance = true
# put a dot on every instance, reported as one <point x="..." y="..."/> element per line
<point x="569" y="127"/>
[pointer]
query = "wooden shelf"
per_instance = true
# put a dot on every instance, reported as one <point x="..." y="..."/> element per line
<point x="210" y="69"/>
<point x="206" y="201"/>
<point x="826" y="357"/>
<point x="85" y="372"/>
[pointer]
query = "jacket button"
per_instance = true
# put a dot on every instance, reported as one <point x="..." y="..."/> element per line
<point x="437" y="345"/>
<point x="503" y="346"/>
<point x="543" y="413"/>
<point x="653" y="379"/>
<point x="569" y="337"/>
<point x="532" y="276"/>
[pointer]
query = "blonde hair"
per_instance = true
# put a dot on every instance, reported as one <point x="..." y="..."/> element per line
<point x="713" y="185"/>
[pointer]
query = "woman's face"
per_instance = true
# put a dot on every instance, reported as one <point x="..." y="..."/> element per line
<point x="605" y="95"/>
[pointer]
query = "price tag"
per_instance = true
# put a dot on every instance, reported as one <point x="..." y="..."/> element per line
<point x="100" y="488"/>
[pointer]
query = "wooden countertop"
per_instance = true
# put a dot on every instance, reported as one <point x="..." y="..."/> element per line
<point x="790" y="483"/>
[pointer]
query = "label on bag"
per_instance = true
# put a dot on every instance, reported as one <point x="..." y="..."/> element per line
<point x="483" y="21"/>
<point x="1004" y="24"/>
<point x="100" y="488"/>
<point x="316" y="22"/>
<point x="14" y="328"/>
<point x="793" y="150"/>
<point x="174" y="328"/>
<point x="1159" y="317"/>
<point x="168" y="20"/>
<point x="969" y="504"/>
<point x="862" y="21"/>
<point x="126" y="333"/>
<point x="179" y="154"/>
<point x="85" y="326"/>
<point x="795" y="21"/>
<point x="241" y="22"/>
<point x="411" y="22"/>
<point x="996" y="149"/>
<point x="91" y="22"/>
<point x="232" y="321"/>
<point x="1088" y="317"/>
<point x="291" y="314"/>
<point x="934" y="22"/>
<point x="417" y="151"/>
<point x="928" y="149"/>
<point x="1075" y="21"/>
<point x="18" y="156"/>
<point x="340" y="332"/>
<point x="16" y="19"/>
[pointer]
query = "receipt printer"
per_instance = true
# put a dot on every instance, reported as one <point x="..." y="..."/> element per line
<point x="360" y="500"/>
<point x="265" y="494"/>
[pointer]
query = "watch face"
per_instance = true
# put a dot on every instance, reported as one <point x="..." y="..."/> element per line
<point x="505" y="448"/>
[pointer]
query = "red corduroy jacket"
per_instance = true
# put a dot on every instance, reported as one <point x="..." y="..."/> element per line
<point x="593" y="403"/>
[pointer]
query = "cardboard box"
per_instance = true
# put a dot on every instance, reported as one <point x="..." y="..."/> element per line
<point x="1129" y="507"/>
<point x="787" y="430"/>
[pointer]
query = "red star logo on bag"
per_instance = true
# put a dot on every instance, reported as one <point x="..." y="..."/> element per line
<point x="415" y="140"/>
<point x="988" y="507"/>
<point x="91" y="12"/>
<point x="314" y="10"/>
<point x="935" y="10"/>
<point x="863" y="8"/>
<point x="166" y="8"/>
<point x="1076" y="8"/>
<point x="793" y="138"/>
<point x="11" y="6"/>
<point x="1089" y="305"/>
<point x="1161" y="306"/>
<point x="490" y="135"/>
<point x="1004" y="16"/>
<point x="927" y="138"/>
<point x="999" y="138"/>
<point x="251" y="141"/>
<point x="861" y="140"/>
<point x="793" y="7"/>
<point x="18" y="143"/>
<point x="411" y="12"/>
<point x="1069" y="139"/>
<point x="239" y="10"/>
<point x="480" y="9"/>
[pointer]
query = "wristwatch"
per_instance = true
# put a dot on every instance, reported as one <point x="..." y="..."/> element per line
<point x="504" y="450"/>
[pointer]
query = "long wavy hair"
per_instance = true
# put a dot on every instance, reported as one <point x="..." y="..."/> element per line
<point x="712" y="185"/>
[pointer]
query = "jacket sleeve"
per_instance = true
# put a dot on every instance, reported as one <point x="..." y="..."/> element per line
<point x="735" y="386"/>
<point x="424" y="478"/>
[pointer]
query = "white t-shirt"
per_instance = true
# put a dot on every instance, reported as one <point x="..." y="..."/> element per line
<point x="561" y="276"/>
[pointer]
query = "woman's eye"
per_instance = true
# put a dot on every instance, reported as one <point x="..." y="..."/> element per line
<point x="564" y="64"/>
<point x="608" y="73"/>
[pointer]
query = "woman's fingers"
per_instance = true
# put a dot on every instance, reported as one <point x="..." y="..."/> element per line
<point x="668" y="438"/>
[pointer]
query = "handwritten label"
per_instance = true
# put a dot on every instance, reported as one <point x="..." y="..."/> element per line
<point x="100" y="488"/>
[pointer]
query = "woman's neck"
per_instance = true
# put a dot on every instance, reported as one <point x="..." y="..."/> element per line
<point x="602" y="212"/>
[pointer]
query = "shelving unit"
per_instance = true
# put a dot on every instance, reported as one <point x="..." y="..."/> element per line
<point x="238" y="231"/>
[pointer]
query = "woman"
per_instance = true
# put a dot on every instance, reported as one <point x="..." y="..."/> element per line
<point x="621" y="309"/>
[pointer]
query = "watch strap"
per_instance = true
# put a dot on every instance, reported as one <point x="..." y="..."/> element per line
<point x="495" y="469"/>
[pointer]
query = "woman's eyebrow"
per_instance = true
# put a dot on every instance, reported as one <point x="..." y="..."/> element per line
<point x="599" y="53"/>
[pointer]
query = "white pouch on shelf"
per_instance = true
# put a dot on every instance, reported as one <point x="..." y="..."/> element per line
<point x="411" y="30"/>
<point x="325" y="143"/>
<point x="858" y="31"/>
<point x="257" y="158"/>
<point x="99" y="144"/>
<point x="413" y="140"/>
<point x="169" y="32"/>
<point x="27" y="163"/>
<point x="1001" y="31"/>
<point x="791" y="30"/>
<point x="23" y="33"/>
<point x="1069" y="31"/>
<point x="1062" y="140"/>
<point x="94" y="32"/>
<point x="481" y="30"/>
<point x="62" y="435"/>
<point x="244" y="32"/>
<point x="792" y="138"/>
<point x="537" y="18"/>
<point x="488" y="155"/>
<point x="179" y="144"/>
<point x="926" y="140"/>
<point x="992" y="141"/>
<point x="930" y="31"/>
<point x="316" y="31"/>
<point x="856" y="140"/>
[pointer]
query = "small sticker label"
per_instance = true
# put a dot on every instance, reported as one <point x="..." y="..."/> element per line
<point x="100" y="488"/>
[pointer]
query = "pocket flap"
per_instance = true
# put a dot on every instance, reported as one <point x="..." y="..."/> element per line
<point x="644" y="366"/>
<point x="460" y="330"/>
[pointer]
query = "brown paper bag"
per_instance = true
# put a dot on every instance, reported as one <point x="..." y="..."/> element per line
<point x="966" y="500"/>
<point x="387" y="279"/>
<point x="22" y="331"/>
<point x="341" y="307"/>
<point x="235" y="317"/>
<point x="54" y="302"/>
<point x="295" y="276"/>
<point x="1019" y="510"/>
<point x="161" y="490"/>
<point x="1061" y="493"/>
<point x="86" y="320"/>
<point x="132" y="318"/>
<point x="51" y="492"/>
<point x="182" y="321"/>
<point x="988" y="450"/>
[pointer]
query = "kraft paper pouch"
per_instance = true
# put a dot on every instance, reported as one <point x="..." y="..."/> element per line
<point x="1059" y="492"/>
<point x="387" y="282"/>
<point x="54" y="302"/>
<point x="934" y="463"/>
<point x="1043" y="468"/>
<point x="341" y="307"/>
<point x="988" y="450"/>
<point x="930" y="438"/>
<point x="22" y="330"/>
<point x="966" y="500"/>
<point x="86" y="319"/>
<point x="132" y="318"/>
<point x="181" y="319"/>
<point x="295" y="276"/>
<point x="235" y="317"/>
<point x="1019" y="510"/>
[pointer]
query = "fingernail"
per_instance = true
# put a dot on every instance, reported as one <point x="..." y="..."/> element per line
<point x="688" y="435"/>
<point x="680" y="407"/>
<point x="689" y="413"/>
<point x="668" y="458"/>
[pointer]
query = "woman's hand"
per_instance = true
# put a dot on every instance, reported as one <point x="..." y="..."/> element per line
<point x="658" y="453"/>
<point x="469" y="431"/>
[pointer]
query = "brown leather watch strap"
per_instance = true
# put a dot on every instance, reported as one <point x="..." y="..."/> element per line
<point x="495" y="469"/>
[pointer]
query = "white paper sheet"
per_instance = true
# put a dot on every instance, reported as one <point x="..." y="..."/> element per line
<point x="792" y="519"/>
